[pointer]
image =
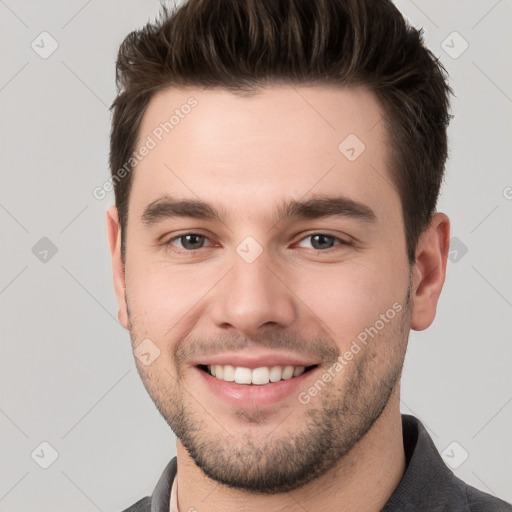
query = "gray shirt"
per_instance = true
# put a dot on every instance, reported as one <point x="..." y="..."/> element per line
<point x="427" y="484"/>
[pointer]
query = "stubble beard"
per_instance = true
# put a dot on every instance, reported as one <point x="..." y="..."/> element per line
<point x="329" y="426"/>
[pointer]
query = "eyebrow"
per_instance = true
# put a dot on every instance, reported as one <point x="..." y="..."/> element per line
<point x="167" y="207"/>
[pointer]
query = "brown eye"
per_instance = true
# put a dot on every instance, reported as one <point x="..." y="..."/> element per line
<point x="189" y="241"/>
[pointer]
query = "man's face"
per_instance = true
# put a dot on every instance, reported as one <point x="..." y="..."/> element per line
<point x="258" y="288"/>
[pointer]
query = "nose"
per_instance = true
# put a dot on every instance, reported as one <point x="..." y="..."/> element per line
<point x="253" y="296"/>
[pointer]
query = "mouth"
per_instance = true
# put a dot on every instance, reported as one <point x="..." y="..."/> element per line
<point x="248" y="383"/>
<point x="261" y="376"/>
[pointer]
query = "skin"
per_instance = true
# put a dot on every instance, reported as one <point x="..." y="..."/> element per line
<point x="343" y="449"/>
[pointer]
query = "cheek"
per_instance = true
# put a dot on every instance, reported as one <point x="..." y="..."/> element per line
<point x="155" y="309"/>
<point x="351" y="297"/>
<point x="162" y="297"/>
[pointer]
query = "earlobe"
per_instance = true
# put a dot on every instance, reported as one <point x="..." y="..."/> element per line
<point x="114" y="238"/>
<point x="429" y="271"/>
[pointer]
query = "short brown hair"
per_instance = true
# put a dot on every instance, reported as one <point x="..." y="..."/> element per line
<point x="244" y="45"/>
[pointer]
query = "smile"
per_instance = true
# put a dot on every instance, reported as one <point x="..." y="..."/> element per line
<point x="256" y="376"/>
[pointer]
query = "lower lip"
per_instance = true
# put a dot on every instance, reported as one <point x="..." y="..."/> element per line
<point x="253" y="395"/>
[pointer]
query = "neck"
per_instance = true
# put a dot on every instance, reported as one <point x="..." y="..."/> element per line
<point x="363" y="480"/>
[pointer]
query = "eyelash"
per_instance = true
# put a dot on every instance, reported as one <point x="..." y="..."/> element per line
<point x="341" y="242"/>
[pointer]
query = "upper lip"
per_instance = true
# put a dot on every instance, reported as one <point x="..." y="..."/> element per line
<point x="256" y="360"/>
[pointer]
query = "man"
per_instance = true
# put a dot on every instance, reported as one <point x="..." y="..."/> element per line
<point x="276" y="167"/>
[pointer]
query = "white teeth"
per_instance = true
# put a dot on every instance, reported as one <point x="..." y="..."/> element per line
<point x="259" y="376"/>
<point x="287" y="372"/>
<point x="229" y="373"/>
<point x="299" y="370"/>
<point x="275" y="374"/>
<point x="242" y="375"/>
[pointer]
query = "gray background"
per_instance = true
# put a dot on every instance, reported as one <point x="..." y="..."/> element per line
<point x="67" y="374"/>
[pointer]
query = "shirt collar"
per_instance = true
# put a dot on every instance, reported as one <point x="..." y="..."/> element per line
<point x="427" y="483"/>
<point x="161" y="495"/>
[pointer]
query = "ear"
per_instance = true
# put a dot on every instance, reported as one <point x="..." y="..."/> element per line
<point x="429" y="271"/>
<point x="114" y="239"/>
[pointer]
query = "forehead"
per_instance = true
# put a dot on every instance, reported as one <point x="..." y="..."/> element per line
<point x="285" y="140"/>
